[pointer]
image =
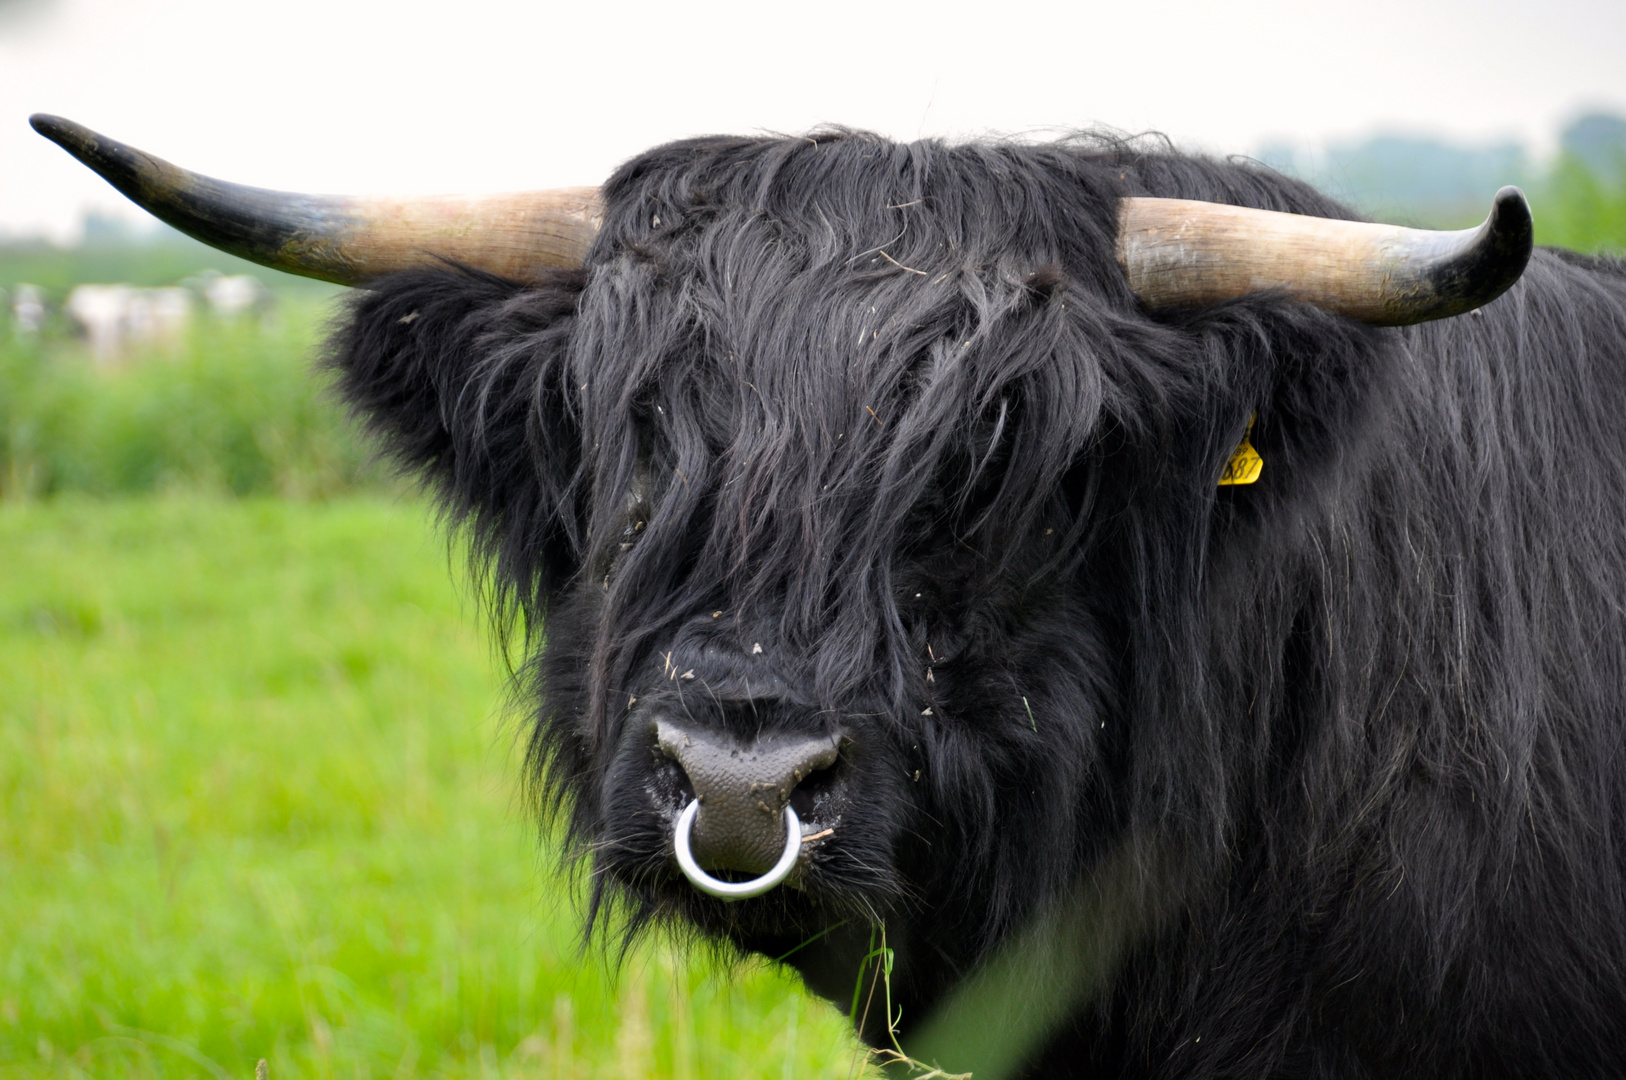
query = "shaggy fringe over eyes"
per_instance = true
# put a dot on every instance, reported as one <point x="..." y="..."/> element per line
<point x="1374" y="701"/>
<point x="824" y="350"/>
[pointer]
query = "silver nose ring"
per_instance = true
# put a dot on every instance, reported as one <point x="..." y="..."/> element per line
<point x="735" y="890"/>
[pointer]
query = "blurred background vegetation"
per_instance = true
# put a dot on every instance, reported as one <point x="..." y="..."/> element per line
<point x="231" y="408"/>
<point x="258" y="795"/>
<point x="1578" y="196"/>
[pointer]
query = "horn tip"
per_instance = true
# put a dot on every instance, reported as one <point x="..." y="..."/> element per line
<point x="1510" y="211"/>
<point x="1513" y="232"/>
<point x="51" y="126"/>
<point x="1509" y="194"/>
<point x="76" y="139"/>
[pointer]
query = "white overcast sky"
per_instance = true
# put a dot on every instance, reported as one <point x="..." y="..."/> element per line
<point x="410" y="96"/>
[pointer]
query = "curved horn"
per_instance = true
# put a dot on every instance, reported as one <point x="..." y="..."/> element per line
<point x="346" y="239"/>
<point x="1183" y="254"/>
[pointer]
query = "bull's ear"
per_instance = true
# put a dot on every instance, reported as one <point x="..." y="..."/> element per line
<point x="463" y="378"/>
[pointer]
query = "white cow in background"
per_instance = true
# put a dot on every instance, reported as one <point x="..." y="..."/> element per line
<point x="231" y="295"/>
<point x="28" y="309"/>
<point x="115" y="317"/>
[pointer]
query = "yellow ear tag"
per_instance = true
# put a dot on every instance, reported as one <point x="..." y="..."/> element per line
<point x="1245" y="464"/>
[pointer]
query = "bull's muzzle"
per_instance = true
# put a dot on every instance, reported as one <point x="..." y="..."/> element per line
<point x="741" y="820"/>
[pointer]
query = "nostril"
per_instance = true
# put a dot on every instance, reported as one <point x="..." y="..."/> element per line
<point x="812" y="791"/>
<point x="673" y="782"/>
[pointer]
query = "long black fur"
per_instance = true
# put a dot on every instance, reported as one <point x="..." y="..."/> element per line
<point x="892" y="408"/>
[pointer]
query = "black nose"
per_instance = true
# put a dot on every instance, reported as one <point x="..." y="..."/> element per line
<point x="742" y="789"/>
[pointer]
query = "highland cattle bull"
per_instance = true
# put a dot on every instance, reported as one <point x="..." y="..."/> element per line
<point x="1092" y="610"/>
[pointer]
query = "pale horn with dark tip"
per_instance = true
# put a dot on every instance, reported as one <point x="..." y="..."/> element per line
<point x="1177" y="254"/>
<point x="346" y="239"/>
<point x="1183" y="254"/>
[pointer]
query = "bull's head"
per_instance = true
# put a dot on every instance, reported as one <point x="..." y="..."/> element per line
<point x="855" y="481"/>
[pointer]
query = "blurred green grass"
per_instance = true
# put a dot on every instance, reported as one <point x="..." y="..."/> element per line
<point x="256" y="800"/>
<point x="1575" y="208"/>
<point x="233" y="408"/>
<point x="161" y="259"/>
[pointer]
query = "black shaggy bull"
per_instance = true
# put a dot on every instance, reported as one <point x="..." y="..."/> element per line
<point x="870" y="498"/>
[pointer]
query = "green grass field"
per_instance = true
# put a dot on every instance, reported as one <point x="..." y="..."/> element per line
<point x="258" y="799"/>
